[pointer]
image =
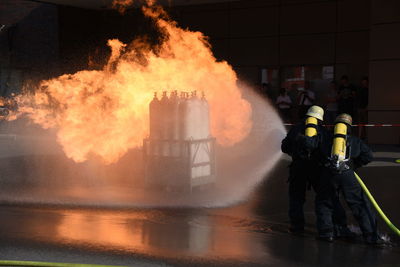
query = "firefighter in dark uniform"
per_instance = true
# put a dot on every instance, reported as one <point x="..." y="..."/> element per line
<point x="338" y="178"/>
<point x="305" y="170"/>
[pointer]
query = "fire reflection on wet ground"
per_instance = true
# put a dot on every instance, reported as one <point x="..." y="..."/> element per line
<point x="249" y="234"/>
<point x="159" y="233"/>
<point x="235" y="236"/>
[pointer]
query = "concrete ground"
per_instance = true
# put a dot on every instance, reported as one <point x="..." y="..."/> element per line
<point x="252" y="233"/>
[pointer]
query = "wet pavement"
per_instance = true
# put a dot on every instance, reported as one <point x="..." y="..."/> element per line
<point x="251" y="233"/>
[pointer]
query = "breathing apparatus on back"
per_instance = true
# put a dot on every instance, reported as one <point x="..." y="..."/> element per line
<point x="313" y="114"/>
<point x="340" y="155"/>
<point x="311" y="127"/>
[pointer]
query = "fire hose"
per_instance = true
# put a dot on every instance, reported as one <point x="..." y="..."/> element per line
<point x="48" y="264"/>
<point x="376" y="206"/>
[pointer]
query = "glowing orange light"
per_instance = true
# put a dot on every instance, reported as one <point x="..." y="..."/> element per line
<point x="105" y="112"/>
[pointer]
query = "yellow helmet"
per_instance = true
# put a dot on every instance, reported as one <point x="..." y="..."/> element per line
<point x="344" y="118"/>
<point x="316" y="112"/>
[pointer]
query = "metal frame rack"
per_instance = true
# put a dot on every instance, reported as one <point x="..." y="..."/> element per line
<point x="179" y="164"/>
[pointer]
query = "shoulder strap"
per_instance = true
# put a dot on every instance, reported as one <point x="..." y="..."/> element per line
<point x="340" y="135"/>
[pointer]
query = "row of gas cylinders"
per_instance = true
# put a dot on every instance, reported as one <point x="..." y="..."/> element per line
<point x="179" y="117"/>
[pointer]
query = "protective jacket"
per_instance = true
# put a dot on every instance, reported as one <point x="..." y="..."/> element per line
<point x="301" y="147"/>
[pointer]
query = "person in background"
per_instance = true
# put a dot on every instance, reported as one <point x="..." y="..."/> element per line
<point x="284" y="104"/>
<point x="292" y="92"/>
<point x="331" y="103"/>
<point x="266" y="89"/>
<point x="305" y="98"/>
<point x="362" y="104"/>
<point x="346" y="96"/>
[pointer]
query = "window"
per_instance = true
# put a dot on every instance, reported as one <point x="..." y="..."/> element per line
<point x="294" y="77"/>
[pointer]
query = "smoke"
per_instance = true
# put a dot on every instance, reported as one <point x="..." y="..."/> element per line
<point x="104" y="113"/>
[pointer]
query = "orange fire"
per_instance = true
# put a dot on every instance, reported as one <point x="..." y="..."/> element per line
<point x="104" y="113"/>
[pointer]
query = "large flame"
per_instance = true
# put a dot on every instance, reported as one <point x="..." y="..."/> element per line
<point x="105" y="112"/>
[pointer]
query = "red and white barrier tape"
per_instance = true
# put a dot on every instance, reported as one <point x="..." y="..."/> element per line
<point x="357" y="125"/>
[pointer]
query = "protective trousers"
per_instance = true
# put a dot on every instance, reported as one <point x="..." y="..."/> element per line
<point x="344" y="183"/>
<point x="302" y="174"/>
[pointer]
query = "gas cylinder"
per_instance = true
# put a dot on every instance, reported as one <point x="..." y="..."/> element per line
<point x="205" y="117"/>
<point x="165" y="120"/>
<point x="194" y="123"/>
<point x="173" y="134"/>
<point x="311" y="127"/>
<point x="155" y="126"/>
<point x="154" y="114"/>
<point x="174" y="113"/>
<point x="164" y="115"/>
<point x="339" y="142"/>
<point x="183" y="116"/>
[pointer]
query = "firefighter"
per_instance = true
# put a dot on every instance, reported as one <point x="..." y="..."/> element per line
<point x="302" y="144"/>
<point x="338" y="178"/>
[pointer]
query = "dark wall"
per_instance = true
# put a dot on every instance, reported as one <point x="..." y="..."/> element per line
<point x="384" y="106"/>
<point x="248" y="34"/>
<point x="40" y="41"/>
<point x="28" y="43"/>
<point x="253" y="34"/>
<point x="84" y="34"/>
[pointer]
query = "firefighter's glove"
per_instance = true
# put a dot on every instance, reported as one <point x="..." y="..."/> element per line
<point x="341" y="167"/>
